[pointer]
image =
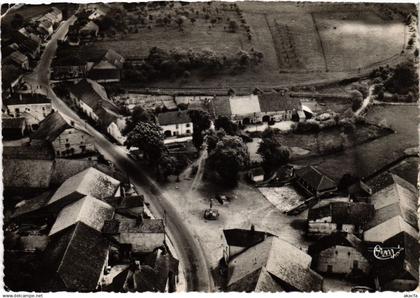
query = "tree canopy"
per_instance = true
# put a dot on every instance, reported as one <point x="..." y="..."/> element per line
<point x="271" y="151"/>
<point x="148" y="137"/>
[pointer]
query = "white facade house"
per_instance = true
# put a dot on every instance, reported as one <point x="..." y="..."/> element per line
<point x="33" y="107"/>
<point x="115" y="130"/>
<point x="175" y="124"/>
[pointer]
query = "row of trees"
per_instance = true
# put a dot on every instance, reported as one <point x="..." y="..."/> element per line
<point x="161" y="63"/>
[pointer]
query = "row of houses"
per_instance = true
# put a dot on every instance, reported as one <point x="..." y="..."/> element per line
<point x="352" y="234"/>
<point x="102" y="67"/>
<point x="104" y="225"/>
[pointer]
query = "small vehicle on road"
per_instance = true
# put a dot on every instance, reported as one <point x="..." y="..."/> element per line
<point x="211" y="214"/>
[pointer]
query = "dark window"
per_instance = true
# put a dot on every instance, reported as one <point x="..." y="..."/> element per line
<point x="188" y="131"/>
<point x="355" y="264"/>
<point x="67" y="145"/>
<point x="187" y="125"/>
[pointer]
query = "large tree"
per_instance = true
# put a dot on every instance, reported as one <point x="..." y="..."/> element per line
<point x="271" y="151"/>
<point x="201" y="122"/>
<point x="148" y="137"/>
<point x="229" y="157"/>
<point x="227" y="125"/>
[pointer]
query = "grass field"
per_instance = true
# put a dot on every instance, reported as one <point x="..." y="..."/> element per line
<point x="353" y="40"/>
<point x="300" y="42"/>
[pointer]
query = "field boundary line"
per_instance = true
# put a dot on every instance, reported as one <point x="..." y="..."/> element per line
<point x="320" y="41"/>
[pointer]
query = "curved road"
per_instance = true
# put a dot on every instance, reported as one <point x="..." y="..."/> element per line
<point x="190" y="253"/>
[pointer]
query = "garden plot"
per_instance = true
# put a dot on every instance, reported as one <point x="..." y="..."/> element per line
<point x="283" y="198"/>
<point x="353" y="40"/>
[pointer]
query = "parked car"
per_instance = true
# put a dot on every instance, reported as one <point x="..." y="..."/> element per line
<point x="211" y="214"/>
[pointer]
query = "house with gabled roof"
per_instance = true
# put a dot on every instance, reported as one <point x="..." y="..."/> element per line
<point x="89" y="210"/>
<point x="400" y="273"/>
<point x="349" y="217"/>
<point x="33" y="107"/>
<point x="314" y="182"/>
<point x="339" y="253"/>
<point x="395" y="210"/>
<point x="113" y="123"/>
<point x="66" y="140"/>
<point x="13" y="128"/>
<point x="88" y="182"/>
<point x="108" y="69"/>
<point x="143" y="234"/>
<point x="90" y="97"/>
<point x="238" y="240"/>
<point x="279" y="107"/>
<point x="18" y="59"/>
<point x="75" y="259"/>
<point x="272" y="265"/>
<point x="175" y="123"/>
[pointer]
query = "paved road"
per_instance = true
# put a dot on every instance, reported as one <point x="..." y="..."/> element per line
<point x="190" y="253"/>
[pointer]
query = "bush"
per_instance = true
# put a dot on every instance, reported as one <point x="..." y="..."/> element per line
<point x="310" y="126"/>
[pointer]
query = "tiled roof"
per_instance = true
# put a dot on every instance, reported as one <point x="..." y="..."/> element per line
<point x="9" y="74"/>
<point x="244" y="105"/>
<point x="220" y="106"/>
<point x="27" y="98"/>
<point x="26" y="173"/>
<point x="273" y="102"/>
<point x="315" y="178"/>
<point x="176" y="117"/>
<point x="51" y="127"/>
<point x="281" y="260"/>
<point x="90" y="92"/>
<point x="89" y="210"/>
<point x="244" y="238"/>
<point x="388" y="229"/>
<point x="36" y="149"/>
<point x="75" y="258"/>
<point x="114" y="58"/>
<point x="13" y="123"/>
<point x="130" y="225"/>
<point x="89" y="182"/>
<point x="341" y="239"/>
<point x="343" y="212"/>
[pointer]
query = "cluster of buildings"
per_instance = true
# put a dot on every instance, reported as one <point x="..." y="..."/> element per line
<point x="99" y="221"/>
<point x="353" y="233"/>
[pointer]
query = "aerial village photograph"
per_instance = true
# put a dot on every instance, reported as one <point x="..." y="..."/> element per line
<point x="169" y="146"/>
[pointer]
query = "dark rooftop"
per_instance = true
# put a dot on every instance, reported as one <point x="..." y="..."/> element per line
<point x="26" y="98"/>
<point x="176" y="117"/>
<point x="37" y="149"/>
<point x="272" y="102"/>
<point x="244" y="238"/>
<point x="315" y="178"/>
<point x="51" y="127"/>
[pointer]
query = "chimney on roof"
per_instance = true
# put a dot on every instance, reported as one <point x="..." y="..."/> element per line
<point x="252" y="228"/>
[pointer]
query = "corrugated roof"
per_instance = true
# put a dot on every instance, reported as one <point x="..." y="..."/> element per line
<point x="176" y="117"/>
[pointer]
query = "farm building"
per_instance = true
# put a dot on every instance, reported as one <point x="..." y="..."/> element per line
<point x="89" y="31"/>
<point x="314" y="182"/>
<point x="176" y="123"/>
<point x="272" y="265"/>
<point x="66" y="140"/>
<point x="250" y="109"/>
<point x="18" y="59"/>
<point x="108" y="69"/>
<point x="33" y="107"/>
<point x="89" y="210"/>
<point x="113" y="123"/>
<point x="339" y="253"/>
<point x="144" y="235"/>
<point x="90" y="97"/>
<point x="400" y="273"/>
<point x="75" y="259"/>
<point x="13" y="128"/>
<point x="238" y="240"/>
<point x="88" y="182"/>
<point x="395" y="210"/>
<point x="349" y="217"/>
<point x="69" y="68"/>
